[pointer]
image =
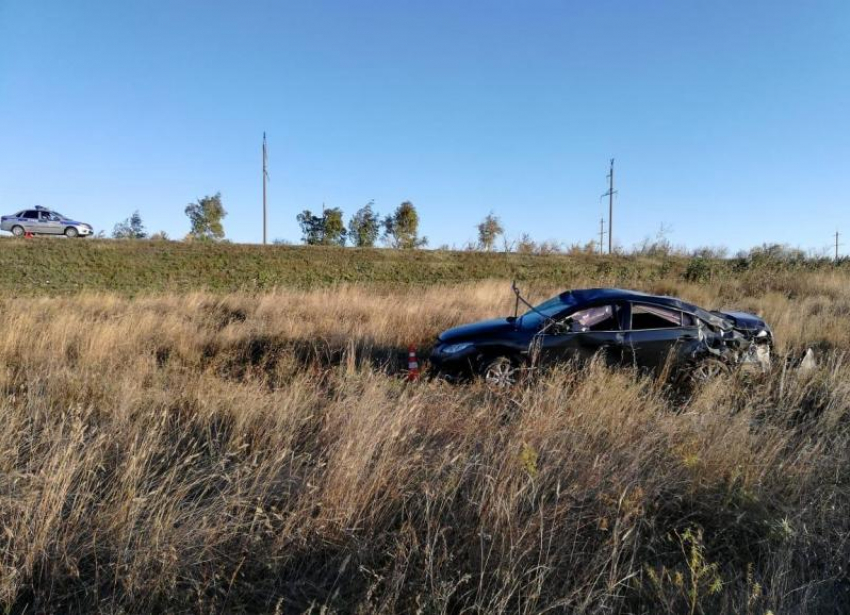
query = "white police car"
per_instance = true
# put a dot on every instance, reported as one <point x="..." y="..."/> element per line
<point x="42" y="221"/>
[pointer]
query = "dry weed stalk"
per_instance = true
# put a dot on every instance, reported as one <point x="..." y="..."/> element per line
<point x="234" y="453"/>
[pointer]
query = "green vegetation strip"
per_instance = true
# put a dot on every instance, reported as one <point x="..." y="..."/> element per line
<point x="57" y="266"/>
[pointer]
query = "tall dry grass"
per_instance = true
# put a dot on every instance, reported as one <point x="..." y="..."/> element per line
<point x="259" y="454"/>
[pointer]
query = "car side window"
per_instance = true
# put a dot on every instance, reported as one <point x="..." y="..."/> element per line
<point x="598" y="318"/>
<point x="654" y="317"/>
<point x="31" y="215"/>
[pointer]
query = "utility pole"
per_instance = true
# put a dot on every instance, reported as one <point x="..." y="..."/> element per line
<point x="836" y="245"/>
<point x="601" y="233"/>
<point x="265" y="178"/>
<point x="610" y="194"/>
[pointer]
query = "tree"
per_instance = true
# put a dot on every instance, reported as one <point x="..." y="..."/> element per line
<point x="206" y="216"/>
<point x="335" y="233"/>
<point x="525" y="244"/>
<point x="660" y="247"/>
<point x="402" y="227"/>
<point x="489" y="229"/>
<point x="312" y="227"/>
<point x="325" y="230"/>
<point x="364" y="227"/>
<point x="131" y="228"/>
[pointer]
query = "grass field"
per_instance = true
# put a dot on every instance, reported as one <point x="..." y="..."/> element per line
<point x="256" y="450"/>
<point x="47" y="265"/>
<point x="58" y="266"/>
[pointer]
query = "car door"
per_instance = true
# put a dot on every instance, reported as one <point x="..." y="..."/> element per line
<point x="657" y="334"/>
<point x="580" y="335"/>
<point x="49" y="223"/>
<point x="29" y="220"/>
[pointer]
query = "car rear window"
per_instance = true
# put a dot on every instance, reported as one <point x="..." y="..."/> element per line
<point x="31" y="215"/>
<point x="654" y="317"/>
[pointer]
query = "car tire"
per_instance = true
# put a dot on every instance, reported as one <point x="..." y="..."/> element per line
<point x="18" y="231"/>
<point x="71" y="232"/>
<point x="499" y="372"/>
<point x="708" y="370"/>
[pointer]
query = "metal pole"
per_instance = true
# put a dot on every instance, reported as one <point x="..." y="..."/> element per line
<point x="265" y="177"/>
<point x="610" y="194"/>
<point x="836" y="246"/>
<point x="611" y="209"/>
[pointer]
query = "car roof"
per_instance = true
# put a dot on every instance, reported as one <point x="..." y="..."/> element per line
<point x="587" y="295"/>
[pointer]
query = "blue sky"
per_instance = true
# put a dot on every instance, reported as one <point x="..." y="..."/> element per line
<point x="729" y="120"/>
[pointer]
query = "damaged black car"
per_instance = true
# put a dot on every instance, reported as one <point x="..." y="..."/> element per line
<point x="623" y="327"/>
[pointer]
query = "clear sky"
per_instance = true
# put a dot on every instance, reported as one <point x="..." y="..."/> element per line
<point x="728" y="120"/>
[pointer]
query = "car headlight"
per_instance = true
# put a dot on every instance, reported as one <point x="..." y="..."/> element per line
<point x="456" y="348"/>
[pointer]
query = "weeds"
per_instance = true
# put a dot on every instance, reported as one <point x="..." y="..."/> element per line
<point x="259" y="453"/>
<point x="44" y="266"/>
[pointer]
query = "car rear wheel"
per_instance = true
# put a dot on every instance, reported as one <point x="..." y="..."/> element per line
<point x="18" y="231"/>
<point x="500" y="372"/>
<point x="71" y="232"/>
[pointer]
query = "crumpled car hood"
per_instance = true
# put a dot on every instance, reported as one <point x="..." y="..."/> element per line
<point x="745" y="321"/>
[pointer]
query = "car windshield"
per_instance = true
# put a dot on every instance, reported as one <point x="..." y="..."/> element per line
<point x="547" y="309"/>
<point x="58" y="215"/>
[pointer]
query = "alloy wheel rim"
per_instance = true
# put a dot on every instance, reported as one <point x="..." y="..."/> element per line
<point x="501" y="374"/>
<point x="707" y="371"/>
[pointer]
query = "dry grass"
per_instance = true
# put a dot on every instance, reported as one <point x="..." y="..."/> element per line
<point x="258" y="454"/>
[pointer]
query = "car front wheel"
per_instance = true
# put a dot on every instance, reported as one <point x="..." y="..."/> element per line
<point x="708" y="370"/>
<point x="500" y="372"/>
<point x="71" y="232"/>
<point x="18" y="231"/>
